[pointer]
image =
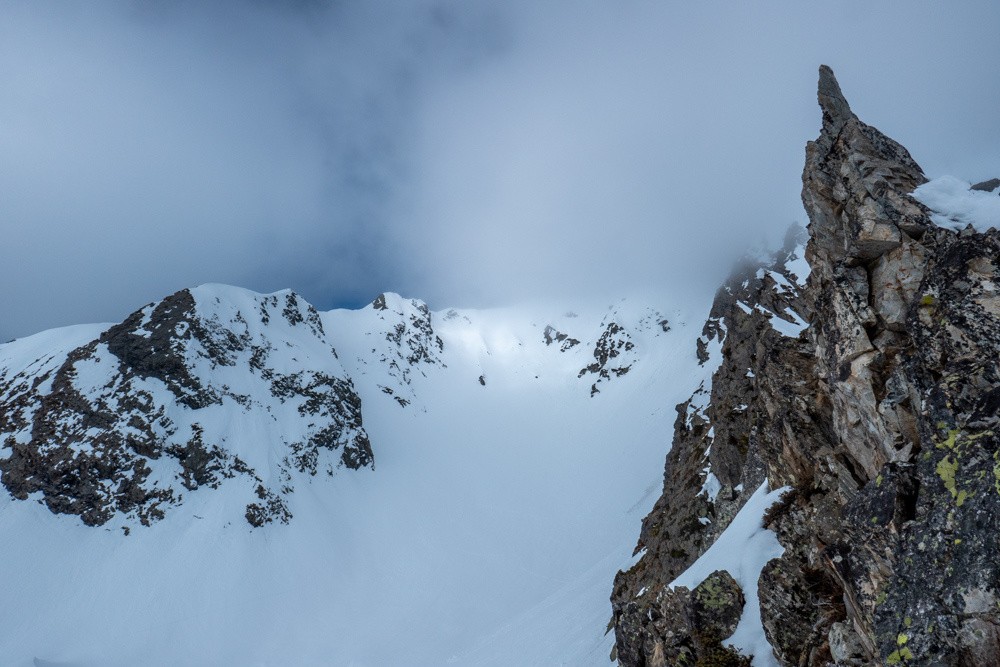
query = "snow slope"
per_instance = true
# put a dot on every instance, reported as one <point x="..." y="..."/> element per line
<point x="742" y="550"/>
<point x="512" y="467"/>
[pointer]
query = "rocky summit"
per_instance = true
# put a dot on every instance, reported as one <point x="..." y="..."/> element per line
<point x="879" y="419"/>
<point x="128" y="422"/>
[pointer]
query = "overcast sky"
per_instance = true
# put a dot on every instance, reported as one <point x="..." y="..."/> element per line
<point x="467" y="153"/>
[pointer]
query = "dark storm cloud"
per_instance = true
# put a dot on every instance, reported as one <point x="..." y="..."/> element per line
<point x="466" y="152"/>
<point x="148" y="147"/>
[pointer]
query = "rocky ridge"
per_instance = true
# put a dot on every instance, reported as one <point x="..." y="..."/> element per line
<point x="218" y="386"/>
<point x="127" y="423"/>
<point x="880" y="416"/>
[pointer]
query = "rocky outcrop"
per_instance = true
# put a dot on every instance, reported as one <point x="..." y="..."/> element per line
<point x="694" y="623"/>
<point x="565" y="342"/>
<point x="174" y="399"/>
<point x="992" y="185"/>
<point x="405" y="343"/>
<point x="611" y="355"/>
<point x="717" y="458"/>
<point x="881" y="416"/>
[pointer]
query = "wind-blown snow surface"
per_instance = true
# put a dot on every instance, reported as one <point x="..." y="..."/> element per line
<point x="954" y="204"/>
<point x="504" y="498"/>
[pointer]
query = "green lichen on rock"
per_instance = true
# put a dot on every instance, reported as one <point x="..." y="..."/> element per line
<point x="996" y="471"/>
<point x="715" y="594"/>
<point x="950" y="440"/>
<point x="899" y="656"/>
<point x="956" y="443"/>
<point x="946" y="470"/>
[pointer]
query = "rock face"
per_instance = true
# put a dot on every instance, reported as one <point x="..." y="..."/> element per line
<point x="881" y="416"/>
<point x="169" y="401"/>
<point x="404" y="342"/>
<point x="611" y="355"/>
<point x="718" y="451"/>
<point x="705" y="615"/>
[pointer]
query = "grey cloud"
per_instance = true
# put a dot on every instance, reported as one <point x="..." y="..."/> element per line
<point x="470" y="153"/>
<point x="645" y="145"/>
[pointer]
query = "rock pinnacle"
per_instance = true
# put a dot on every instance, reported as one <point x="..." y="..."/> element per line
<point x="836" y="110"/>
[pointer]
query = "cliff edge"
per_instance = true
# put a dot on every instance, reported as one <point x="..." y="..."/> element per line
<point x="879" y="416"/>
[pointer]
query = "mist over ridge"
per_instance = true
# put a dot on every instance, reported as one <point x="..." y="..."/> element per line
<point x="470" y="154"/>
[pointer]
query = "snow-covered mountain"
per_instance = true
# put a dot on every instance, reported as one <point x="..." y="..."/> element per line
<point x="228" y="477"/>
<point x="231" y="477"/>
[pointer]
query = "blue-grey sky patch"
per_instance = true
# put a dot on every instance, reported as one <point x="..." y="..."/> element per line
<point x="469" y="153"/>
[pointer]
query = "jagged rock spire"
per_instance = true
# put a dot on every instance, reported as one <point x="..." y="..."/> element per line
<point x="836" y="110"/>
<point x="856" y="184"/>
<point x="883" y="417"/>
